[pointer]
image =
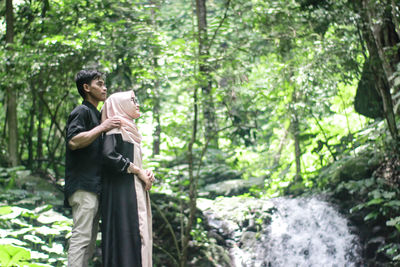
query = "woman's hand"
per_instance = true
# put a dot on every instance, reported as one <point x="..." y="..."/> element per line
<point x="146" y="176"/>
<point x="151" y="175"/>
<point x="146" y="179"/>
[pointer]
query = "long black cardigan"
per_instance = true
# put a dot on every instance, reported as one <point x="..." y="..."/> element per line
<point x="121" y="243"/>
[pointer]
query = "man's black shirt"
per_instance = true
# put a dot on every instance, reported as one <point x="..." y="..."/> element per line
<point x="83" y="166"/>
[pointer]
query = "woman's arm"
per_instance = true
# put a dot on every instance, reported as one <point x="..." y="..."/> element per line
<point x="112" y="159"/>
<point x="146" y="176"/>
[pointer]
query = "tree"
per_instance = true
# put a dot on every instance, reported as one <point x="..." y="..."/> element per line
<point x="378" y="25"/>
<point x="11" y="92"/>
<point x="205" y="81"/>
<point x="157" y="85"/>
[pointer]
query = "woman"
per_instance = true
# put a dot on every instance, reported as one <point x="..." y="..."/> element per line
<point x="125" y="203"/>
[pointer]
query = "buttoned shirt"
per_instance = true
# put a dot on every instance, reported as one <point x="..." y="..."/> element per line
<point x="83" y="166"/>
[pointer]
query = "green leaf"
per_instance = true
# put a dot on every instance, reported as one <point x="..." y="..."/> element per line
<point x="375" y="201"/>
<point x="11" y="241"/>
<point x="389" y="195"/>
<point x="16" y="211"/>
<point x="22" y="254"/>
<point x="56" y="248"/>
<point x="44" y="230"/>
<point x="357" y="207"/>
<point x="51" y="216"/>
<point x="34" y="239"/>
<point x="12" y="250"/>
<point x="393" y="203"/>
<point x="5" y="210"/>
<point x="37" y="265"/>
<point x="4" y="257"/>
<point x="393" y="221"/>
<point x="371" y="215"/>
<point x="397" y="258"/>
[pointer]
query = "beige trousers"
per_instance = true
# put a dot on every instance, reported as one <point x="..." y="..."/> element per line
<point x="85" y="214"/>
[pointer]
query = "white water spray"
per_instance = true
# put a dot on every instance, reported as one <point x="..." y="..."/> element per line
<point x="303" y="232"/>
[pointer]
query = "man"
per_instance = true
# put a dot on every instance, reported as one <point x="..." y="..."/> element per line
<point x="83" y="165"/>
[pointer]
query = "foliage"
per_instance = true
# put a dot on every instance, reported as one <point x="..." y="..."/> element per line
<point x="168" y="217"/>
<point x="255" y="67"/>
<point x="380" y="206"/>
<point x="16" y="256"/>
<point x="283" y="75"/>
<point x="359" y="184"/>
<point x="33" y="231"/>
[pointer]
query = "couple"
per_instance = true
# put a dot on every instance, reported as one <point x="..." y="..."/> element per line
<point x="103" y="155"/>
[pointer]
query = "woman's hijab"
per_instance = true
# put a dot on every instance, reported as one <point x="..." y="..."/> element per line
<point x="121" y="105"/>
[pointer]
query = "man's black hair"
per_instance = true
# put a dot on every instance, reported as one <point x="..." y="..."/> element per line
<point x="86" y="77"/>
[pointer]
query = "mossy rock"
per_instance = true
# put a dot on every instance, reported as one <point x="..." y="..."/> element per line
<point x="295" y="189"/>
<point x="349" y="168"/>
<point x="232" y="187"/>
<point x="355" y="169"/>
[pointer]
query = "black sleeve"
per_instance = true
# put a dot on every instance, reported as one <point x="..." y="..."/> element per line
<point x="112" y="159"/>
<point x="77" y="123"/>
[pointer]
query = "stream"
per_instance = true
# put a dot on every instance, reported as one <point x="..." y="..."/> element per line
<point x="283" y="232"/>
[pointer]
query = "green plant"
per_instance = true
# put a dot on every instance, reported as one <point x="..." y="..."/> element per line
<point x="380" y="205"/>
<point x="16" y="256"/>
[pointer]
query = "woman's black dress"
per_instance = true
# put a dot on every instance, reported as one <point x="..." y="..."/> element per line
<point x="121" y="240"/>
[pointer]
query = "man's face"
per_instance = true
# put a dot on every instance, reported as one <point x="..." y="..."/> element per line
<point x="96" y="90"/>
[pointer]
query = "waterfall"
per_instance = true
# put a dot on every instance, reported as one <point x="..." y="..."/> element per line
<point x="290" y="232"/>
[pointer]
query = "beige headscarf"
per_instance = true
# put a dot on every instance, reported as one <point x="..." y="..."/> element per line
<point x="121" y="105"/>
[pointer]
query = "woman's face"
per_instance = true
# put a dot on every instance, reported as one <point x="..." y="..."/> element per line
<point x="135" y="106"/>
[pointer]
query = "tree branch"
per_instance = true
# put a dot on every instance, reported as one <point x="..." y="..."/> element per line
<point x="220" y="25"/>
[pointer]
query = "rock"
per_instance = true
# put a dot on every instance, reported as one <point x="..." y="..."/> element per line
<point x="372" y="246"/>
<point x="218" y="238"/>
<point x="367" y="100"/>
<point x="231" y="187"/>
<point x="349" y="168"/>
<point x="248" y="239"/>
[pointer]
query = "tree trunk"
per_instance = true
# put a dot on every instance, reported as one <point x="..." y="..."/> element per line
<point x="156" y="89"/>
<point x="277" y="156"/>
<point x="380" y="36"/>
<point x="395" y="21"/>
<point x="192" y="187"/>
<point x="295" y="128"/>
<point x="11" y="93"/>
<point x="157" y="121"/>
<point x="31" y="128"/>
<point x="297" y="150"/>
<point x="204" y="73"/>
<point x="39" y="145"/>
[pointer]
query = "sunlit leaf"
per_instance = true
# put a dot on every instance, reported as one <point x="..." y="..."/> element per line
<point x="33" y="239"/>
<point x="371" y="215"/>
<point x="16" y="211"/>
<point x="375" y="201"/>
<point x="4" y="257"/>
<point x="56" y="248"/>
<point x="19" y="222"/>
<point x="21" y="231"/>
<point x="394" y="221"/>
<point x="51" y="216"/>
<point x="11" y="241"/>
<point x="21" y="255"/>
<point x="5" y="210"/>
<point x="44" y="230"/>
<point x="42" y="208"/>
<point x="38" y="255"/>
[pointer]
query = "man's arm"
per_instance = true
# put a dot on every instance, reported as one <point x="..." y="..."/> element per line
<point x="84" y="139"/>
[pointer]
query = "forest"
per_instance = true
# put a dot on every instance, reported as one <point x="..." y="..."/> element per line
<point x="247" y="106"/>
